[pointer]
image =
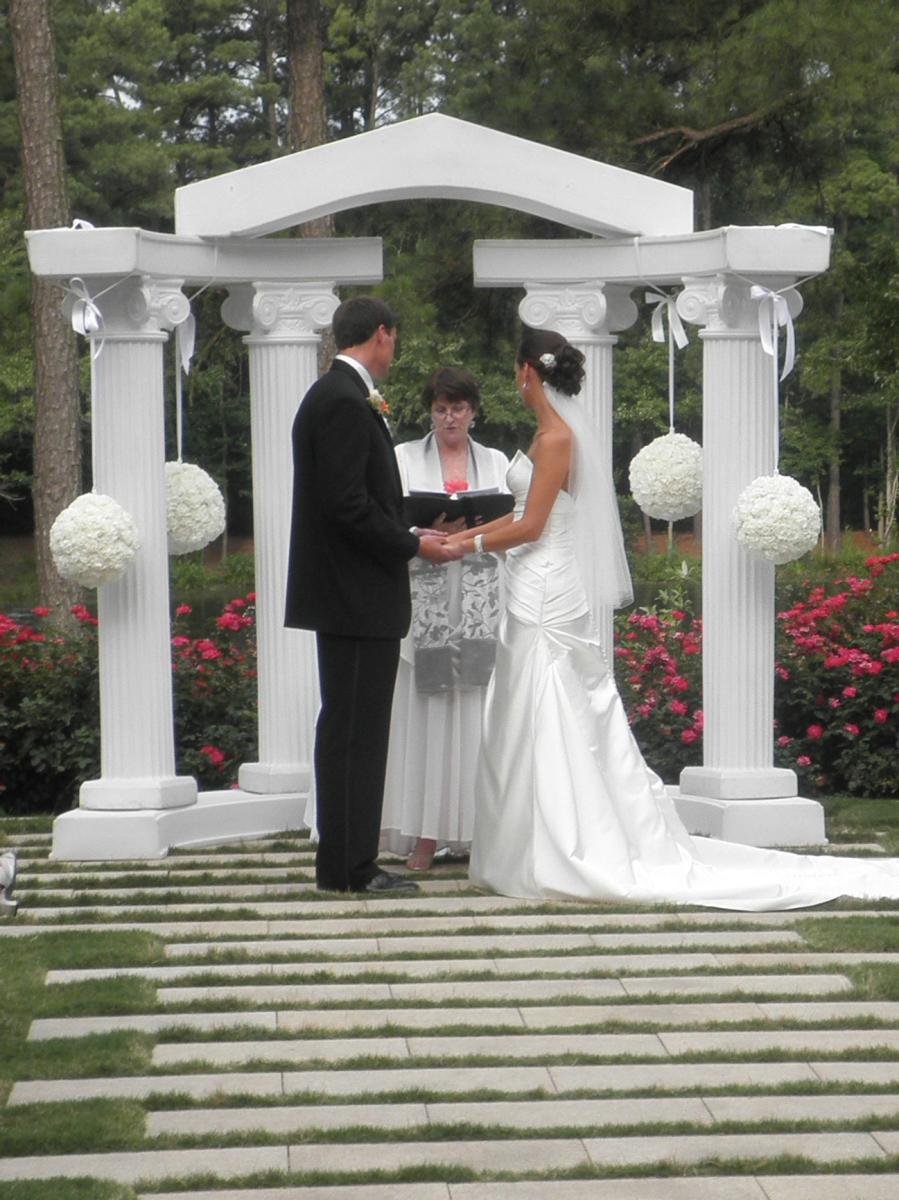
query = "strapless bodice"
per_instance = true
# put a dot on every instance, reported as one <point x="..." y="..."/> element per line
<point x="542" y="580"/>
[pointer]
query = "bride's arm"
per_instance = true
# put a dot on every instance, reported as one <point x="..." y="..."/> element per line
<point x="551" y="456"/>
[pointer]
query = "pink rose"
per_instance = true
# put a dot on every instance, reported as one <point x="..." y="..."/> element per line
<point x="689" y="736"/>
<point x="881" y="716"/>
<point x="850" y="692"/>
<point x="815" y="732"/>
<point x="851" y="729"/>
<point x="41" y="611"/>
<point x="455" y="485"/>
<point x="183" y="610"/>
<point x="803" y="761"/>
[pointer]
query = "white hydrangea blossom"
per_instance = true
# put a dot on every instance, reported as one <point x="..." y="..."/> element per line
<point x="666" y="477"/>
<point x="777" y="518"/>
<point x="195" y="507"/>
<point x="94" y="540"/>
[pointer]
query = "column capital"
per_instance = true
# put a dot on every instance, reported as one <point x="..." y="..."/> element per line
<point x="135" y="307"/>
<point x="579" y="311"/>
<point x="280" y="312"/>
<point x="725" y="303"/>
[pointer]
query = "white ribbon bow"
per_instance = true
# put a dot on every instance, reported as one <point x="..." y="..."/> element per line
<point x="186" y="337"/>
<point x="666" y="305"/>
<point x="774" y="314"/>
<point x="86" y="316"/>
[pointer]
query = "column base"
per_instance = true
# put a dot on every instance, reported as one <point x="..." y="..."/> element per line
<point x="84" y="835"/>
<point x="116" y="795"/>
<point x="785" y="821"/>
<point x="739" y="783"/>
<point x="264" y="779"/>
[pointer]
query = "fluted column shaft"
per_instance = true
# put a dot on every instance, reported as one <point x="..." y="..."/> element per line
<point x="137" y="742"/>
<point x="737" y="587"/>
<point x="283" y="320"/>
<point x="587" y="315"/>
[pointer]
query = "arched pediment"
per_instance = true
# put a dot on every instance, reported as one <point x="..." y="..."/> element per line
<point x="433" y="157"/>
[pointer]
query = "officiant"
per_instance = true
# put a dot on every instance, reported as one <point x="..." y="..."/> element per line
<point x="447" y="658"/>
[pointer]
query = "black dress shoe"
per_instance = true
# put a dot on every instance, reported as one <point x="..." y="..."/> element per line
<point x="385" y="882"/>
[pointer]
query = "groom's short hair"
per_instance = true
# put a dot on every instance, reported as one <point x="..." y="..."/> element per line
<point x="358" y="318"/>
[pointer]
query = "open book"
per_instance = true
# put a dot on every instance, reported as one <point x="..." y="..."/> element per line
<point x="476" y="506"/>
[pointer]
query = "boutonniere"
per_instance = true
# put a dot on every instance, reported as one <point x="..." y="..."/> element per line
<point x="452" y="486"/>
<point x="378" y="403"/>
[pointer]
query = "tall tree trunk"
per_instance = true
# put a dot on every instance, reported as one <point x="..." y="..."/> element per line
<point x="307" y="122"/>
<point x="832" y="515"/>
<point x="57" y="411"/>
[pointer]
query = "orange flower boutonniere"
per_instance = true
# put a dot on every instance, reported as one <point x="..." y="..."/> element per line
<point x="378" y="403"/>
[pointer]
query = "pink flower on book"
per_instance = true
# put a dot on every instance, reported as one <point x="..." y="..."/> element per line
<point x="455" y="485"/>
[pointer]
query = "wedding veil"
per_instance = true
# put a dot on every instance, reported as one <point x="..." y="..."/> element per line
<point x="599" y="543"/>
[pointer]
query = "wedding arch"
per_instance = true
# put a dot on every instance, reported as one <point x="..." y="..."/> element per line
<point x="124" y="289"/>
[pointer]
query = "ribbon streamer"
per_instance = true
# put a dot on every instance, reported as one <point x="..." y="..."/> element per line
<point x="86" y="316"/>
<point x="666" y="305"/>
<point x="774" y="314"/>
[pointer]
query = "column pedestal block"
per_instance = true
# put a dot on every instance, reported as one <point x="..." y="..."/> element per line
<point x="176" y="791"/>
<point x="266" y="779"/>
<point x="753" y="820"/>
<point x="85" y="835"/>
<point x="738" y="783"/>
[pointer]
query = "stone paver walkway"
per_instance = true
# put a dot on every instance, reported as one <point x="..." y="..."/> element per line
<point x="458" y="1046"/>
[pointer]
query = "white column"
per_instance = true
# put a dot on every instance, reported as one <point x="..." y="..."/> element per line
<point x="137" y="743"/>
<point x="588" y="315"/>
<point x="283" y="320"/>
<point x="737" y="587"/>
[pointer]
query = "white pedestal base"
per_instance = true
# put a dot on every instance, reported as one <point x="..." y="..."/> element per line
<point x="116" y="795"/>
<point x="739" y="783"/>
<point x="787" y="821"/>
<point x="266" y="779"/>
<point x="85" y="835"/>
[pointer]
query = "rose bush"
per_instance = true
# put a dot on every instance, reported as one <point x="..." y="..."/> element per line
<point x="49" y="705"/>
<point x="837" y="696"/>
<point x="658" y="667"/>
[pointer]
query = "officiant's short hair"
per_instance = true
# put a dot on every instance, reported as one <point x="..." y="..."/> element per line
<point x="455" y="383"/>
<point x="358" y="318"/>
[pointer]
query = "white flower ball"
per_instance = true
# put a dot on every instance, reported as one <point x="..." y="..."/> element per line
<point x="666" y="477"/>
<point x="777" y="518"/>
<point x="195" y="507"/>
<point x="94" y="540"/>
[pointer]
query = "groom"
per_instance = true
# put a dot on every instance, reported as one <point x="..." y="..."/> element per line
<point x="348" y="580"/>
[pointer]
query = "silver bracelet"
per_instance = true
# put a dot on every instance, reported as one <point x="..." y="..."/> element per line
<point x="479" y="543"/>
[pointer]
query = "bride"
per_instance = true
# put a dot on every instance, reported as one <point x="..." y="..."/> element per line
<point x="565" y="804"/>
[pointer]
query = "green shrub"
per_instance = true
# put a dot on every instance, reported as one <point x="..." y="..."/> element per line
<point x="49" y="705"/>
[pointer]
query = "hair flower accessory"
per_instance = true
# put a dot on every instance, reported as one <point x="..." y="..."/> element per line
<point x="378" y="403"/>
<point x="548" y="360"/>
<point x="666" y="477"/>
<point x="776" y="518"/>
<point x="195" y="508"/>
<point x="94" y="540"/>
<point x="455" y="485"/>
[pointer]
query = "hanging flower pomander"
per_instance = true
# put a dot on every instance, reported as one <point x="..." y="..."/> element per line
<point x="195" y="507"/>
<point x="666" y="477"/>
<point x="94" y="540"/>
<point x="777" y="518"/>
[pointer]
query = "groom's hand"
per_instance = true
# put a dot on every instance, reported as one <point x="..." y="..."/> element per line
<point x="436" y="549"/>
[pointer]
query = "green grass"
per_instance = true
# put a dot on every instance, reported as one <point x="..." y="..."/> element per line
<point x="66" y="1189"/>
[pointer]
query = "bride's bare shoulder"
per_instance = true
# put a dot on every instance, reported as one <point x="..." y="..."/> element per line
<point x="556" y="440"/>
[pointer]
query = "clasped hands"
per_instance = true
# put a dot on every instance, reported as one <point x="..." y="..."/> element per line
<point x="434" y="544"/>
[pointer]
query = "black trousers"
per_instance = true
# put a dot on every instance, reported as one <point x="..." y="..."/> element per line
<point x="356" y="677"/>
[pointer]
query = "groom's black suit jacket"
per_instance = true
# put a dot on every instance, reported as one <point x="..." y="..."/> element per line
<point x="349" y="547"/>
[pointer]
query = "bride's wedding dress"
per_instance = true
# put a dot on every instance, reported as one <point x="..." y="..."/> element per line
<point x="566" y="805"/>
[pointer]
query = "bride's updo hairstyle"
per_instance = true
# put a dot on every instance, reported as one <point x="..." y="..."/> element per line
<point x="554" y="359"/>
